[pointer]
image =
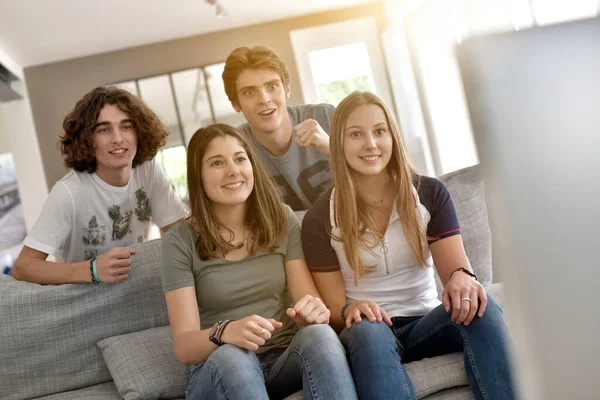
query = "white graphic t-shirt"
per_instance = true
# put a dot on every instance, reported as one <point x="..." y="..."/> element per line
<point x="85" y="217"/>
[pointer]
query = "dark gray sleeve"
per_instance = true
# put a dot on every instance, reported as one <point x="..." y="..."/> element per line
<point x="176" y="260"/>
<point x="319" y="112"/>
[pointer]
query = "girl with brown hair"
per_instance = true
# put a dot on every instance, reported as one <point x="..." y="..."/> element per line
<point x="229" y="273"/>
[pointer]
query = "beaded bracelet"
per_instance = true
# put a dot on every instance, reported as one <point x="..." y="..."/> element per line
<point x="94" y="272"/>
<point x="343" y="310"/>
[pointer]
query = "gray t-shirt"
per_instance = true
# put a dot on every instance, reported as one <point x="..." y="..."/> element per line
<point x="234" y="289"/>
<point x="302" y="174"/>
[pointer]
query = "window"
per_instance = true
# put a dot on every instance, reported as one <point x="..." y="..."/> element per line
<point x="430" y="30"/>
<point x="339" y="71"/>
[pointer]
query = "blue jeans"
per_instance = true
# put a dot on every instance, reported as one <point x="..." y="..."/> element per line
<point x="314" y="362"/>
<point x="376" y="352"/>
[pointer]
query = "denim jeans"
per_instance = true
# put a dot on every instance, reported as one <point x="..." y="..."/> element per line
<point x="314" y="362"/>
<point x="376" y="352"/>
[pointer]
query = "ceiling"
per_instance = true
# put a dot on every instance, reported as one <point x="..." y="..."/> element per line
<point x="34" y="32"/>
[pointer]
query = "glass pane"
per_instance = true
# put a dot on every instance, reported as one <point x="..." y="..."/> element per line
<point x="224" y="112"/>
<point x="173" y="160"/>
<point x="129" y="86"/>
<point x="339" y="71"/>
<point x="192" y="100"/>
<point x="12" y="221"/>
<point x="156" y="93"/>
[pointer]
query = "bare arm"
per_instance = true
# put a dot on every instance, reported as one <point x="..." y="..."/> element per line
<point x="308" y="308"/>
<point x="191" y="344"/>
<point x="299" y="281"/>
<point x="449" y="255"/>
<point x="31" y="266"/>
<point x="331" y="287"/>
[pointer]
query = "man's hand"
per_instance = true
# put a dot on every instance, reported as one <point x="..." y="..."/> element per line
<point x="114" y="265"/>
<point x="310" y="134"/>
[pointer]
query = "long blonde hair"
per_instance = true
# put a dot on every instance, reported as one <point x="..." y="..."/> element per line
<point x="353" y="218"/>
<point x="265" y="214"/>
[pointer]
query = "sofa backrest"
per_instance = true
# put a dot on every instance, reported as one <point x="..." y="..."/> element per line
<point x="467" y="191"/>
<point x="48" y="334"/>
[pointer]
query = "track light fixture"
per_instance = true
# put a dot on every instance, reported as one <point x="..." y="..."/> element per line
<point x="220" y="11"/>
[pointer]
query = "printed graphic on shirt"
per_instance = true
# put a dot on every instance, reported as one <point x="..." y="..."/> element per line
<point x="94" y="234"/>
<point x="142" y="210"/>
<point x="121" y="222"/>
<point x="313" y="181"/>
<point x="88" y="254"/>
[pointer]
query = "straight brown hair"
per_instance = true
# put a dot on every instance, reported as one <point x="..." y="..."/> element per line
<point x="265" y="214"/>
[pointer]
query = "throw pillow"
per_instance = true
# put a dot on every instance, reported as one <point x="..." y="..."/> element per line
<point x="143" y="364"/>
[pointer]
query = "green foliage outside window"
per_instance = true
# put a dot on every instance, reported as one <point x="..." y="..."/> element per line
<point x="174" y="161"/>
<point x="335" y="91"/>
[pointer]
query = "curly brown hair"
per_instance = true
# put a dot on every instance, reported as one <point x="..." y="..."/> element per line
<point x="77" y="143"/>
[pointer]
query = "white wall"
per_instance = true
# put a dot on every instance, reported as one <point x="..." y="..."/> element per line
<point x="18" y="136"/>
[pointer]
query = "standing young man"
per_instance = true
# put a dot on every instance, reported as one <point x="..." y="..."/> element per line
<point x="292" y="141"/>
<point x="105" y="203"/>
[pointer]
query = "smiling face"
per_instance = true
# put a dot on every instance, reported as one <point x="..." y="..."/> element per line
<point x="367" y="141"/>
<point x="115" y="143"/>
<point x="227" y="175"/>
<point x="262" y="98"/>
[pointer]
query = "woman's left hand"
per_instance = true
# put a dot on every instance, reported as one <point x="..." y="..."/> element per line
<point x="309" y="310"/>
<point x="464" y="295"/>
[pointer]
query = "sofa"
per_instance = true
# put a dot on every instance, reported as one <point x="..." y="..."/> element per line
<point x="86" y="341"/>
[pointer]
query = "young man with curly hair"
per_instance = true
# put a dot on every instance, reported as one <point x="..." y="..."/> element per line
<point x="292" y="141"/>
<point x="105" y="202"/>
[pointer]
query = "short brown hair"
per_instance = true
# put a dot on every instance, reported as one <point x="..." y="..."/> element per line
<point x="256" y="57"/>
<point x="77" y="143"/>
<point x="265" y="213"/>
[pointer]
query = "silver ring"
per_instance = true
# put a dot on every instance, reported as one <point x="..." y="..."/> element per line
<point x="466" y="299"/>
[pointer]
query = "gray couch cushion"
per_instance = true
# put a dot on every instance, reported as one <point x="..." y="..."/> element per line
<point x="143" y="364"/>
<point x="467" y="191"/>
<point x="458" y="393"/>
<point x="431" y="375"/>
<point x="48" y="334"/>
<point x="102" y="391"/>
